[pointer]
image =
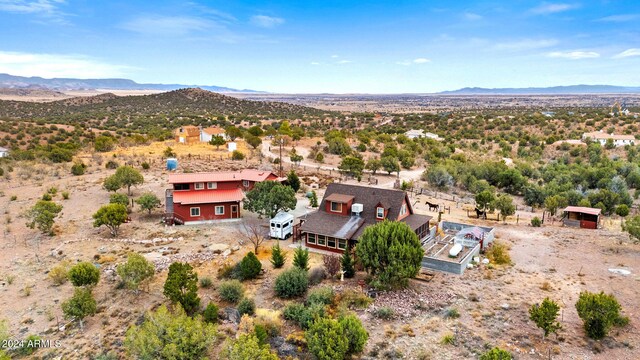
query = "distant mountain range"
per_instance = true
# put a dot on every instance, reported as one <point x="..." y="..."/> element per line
<point x="11" y="81"/>
<point x="554" y="90"/>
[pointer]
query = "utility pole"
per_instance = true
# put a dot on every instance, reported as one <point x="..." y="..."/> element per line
<point x="281" y="143"/>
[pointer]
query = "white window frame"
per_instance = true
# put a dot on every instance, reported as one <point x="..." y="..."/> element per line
<point x="403" y="209"/>
<point x="337" y="203"/>
<point x="212" y="185"/>
<point x="245" y="183"/>
<point x="378" y="214"/>
<point x="344" y="241"/>
<point x="198" y="186"/>
<point x="219" y="207"/>
<point x="324" y="240"/>
<point x="335" y="242"/>
<point x="309" y="236"/>
<point x="191" y="212"/>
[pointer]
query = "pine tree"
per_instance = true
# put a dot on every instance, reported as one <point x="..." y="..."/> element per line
<point x="278" y="257"/>
<point x="544" y="315"/>
<point x="347" y="264"/>
<point x="314" y="199"/>
<point x="301" y="258"/>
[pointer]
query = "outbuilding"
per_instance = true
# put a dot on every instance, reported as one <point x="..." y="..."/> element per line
<point x="582" y="217"/>
<point x="4" y="152"/>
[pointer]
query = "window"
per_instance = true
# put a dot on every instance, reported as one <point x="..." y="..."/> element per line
<point x="181" y="186"/>
<point x="379" y="213"/>
<point x="212" y="185"/>
<point x="336" y="207"/>
<point x="322" y="240"/>
<point x="199" y="186"/>
<point x="311" y="239"/>
<point x="403" y="209"/>
<point x="219" y="210"/>
<point x="195" y="211"/>
<point x="342" y="244"/>
<point x="245" y="183"/>
<point x="331" y="242"/>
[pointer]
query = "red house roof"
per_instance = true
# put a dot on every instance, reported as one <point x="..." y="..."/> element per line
<point x="582" y="209"/>
<point x="246" y="174"/>
<point x="207" y="196"/>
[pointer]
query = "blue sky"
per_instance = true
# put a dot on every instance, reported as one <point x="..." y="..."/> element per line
<point x="326" y="46"/>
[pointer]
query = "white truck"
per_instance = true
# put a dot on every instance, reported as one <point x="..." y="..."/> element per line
<point x="281" y="226"/>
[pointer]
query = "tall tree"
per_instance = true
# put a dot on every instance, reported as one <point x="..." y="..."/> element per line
<point x="148" y="201"/>
<point x="485" y="200"/>
<point x="128" y="177"/>
<point x="42" y="215"/>
<point x="373" y="165"/>
<point x="544" y="315"/>
<point x="181" y="286"/>
<point x="504" y="203"/>
<point x="293" y="181"/>
<point x="391" y="252"/>
<point x="346" y="263"/>
<point x="269" y="197"/>
<point x="80" y="305"/>
<point x="217" y="141"/>
<point x="390" y="164"/>
<point x="352" y="166"/>
<point x="233" y="132"/>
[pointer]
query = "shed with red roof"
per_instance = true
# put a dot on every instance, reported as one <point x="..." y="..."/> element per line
<point x="582" y="217"/>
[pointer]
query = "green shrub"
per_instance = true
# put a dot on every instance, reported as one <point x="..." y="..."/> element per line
<point x="46" y="197"/>
<point x="210" y="313"/>
<point x="237" y="155"/>
<point x="231" y="291"/>
<point x="78" y="168"/>
<point x="291" y="283"/>
<point x="323" y="295"/>
<point x="14" y="197"/>
<point x="83" y="274"/>
<point x="250" y="266"/>
<point x="448" y="339"/>
<point x="544" y="315"/>
<point x="247" y="306"/>
<point x="65" y="195"/>
<point x="385" y="313"/>
<point x="111" y="165"/>
<point x="496" y="354"/>
<point x="145" y="165"/>
<point x="498" y="254"/>
<point x="278" y="257"/>
<point x="119" y="198"/>
<point x="316" y="275"/>
<point x="354" y="299"/>
<point x="599" y="312"/>
<point x="326" y="340"/>
<point x="59" y="274"/>
<point x="261" y="333"/>
<point x="30" y="345"/>
<point x="354" y="332"/>
<point x="301" y="258"/>
<point x="452" y="313"/>
<point x="303" y="315"/>
<point x="536" y="222"/>
<point x="205" y="282"/>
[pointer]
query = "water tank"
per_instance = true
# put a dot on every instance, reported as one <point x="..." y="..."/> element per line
<point x="172" y="164"/>
<point x="357" y="208"/>
<point x="232" y="146"/>
<point x="455" y="250"/>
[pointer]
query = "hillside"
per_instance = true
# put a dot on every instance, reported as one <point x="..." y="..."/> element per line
<point x="11" y="81"/>
<point x="171" y="105"/>
<point x="554" y="90"/>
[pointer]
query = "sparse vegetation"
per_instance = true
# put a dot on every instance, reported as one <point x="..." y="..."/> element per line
<point x="231" y="291"/>
<point x="291" y="283"/>
<point x="498" y="253"/>
<point x="599" y="312"/>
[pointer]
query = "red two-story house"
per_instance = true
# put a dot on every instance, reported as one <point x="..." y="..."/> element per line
<point x="346" y="210"/>
<point x="197" y="198"/>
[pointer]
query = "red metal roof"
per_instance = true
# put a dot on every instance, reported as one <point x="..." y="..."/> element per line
<point x="582" y="209"/>
<point x="207" y="196"/>
<point x="246" y="174"/>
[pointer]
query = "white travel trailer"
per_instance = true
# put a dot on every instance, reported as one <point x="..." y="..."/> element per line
<point x="281" y="226"/>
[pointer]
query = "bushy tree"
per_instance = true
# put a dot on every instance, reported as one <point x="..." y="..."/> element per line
<point x="254" y="141"/>
<point x="128" y="176"/>
<point x="136" y="270"/>
<point x="217" y="141"/>
<point x="496" y="354"/>
<point x="247" y="306"/>
<point x="438" y="176"/>
<point x="118" y="198"/>
<point x="291" y="283"/>
<point x="632" y="226"/>
<point x="210" y="313"/>
<point x="293" y="181"/>
<point x="233" y="132"/>
<point x="301" y="258"/>
<point x="313" y="200"/>
<point x="599" y="312"/>
<point x="80" y="305"/>
<point x="84" y="274"/>
<point x="269" y="197"/>
<point x="167" y="336"/>
<point x="346" y="264"/>
<point x="112" y="183"/>
<point x="247" y="346"/>
<point x="326" y="339"/>
<point x="485" y="200"/>
<point x="504" y="203"/>
<point x="331" y="264"/>
<point x="181" y="286"/>
<point x="354" y="332"/>
<point x="391" y="252"/>
<point x="231" y="291"/>
<point x="373" y="165"/>
<point x="352" y="166"/>
<point x="544" y="315"/>
<point x="42" y="216"/>
<point x="278" y="257"/>
<point x="111" y="216"/>
<point x="390" y="164"/>
<point x="554" y="202"/>
<point x="148" y="201"/>
<point x="78" y="168"/>
<point x="237" y="155"/>
<point x="250" y="266"/>
<point x="104" y="143"/>
<point x="622" y="210"/>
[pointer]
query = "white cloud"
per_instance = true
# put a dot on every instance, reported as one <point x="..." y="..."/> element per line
<point x="525" y="44"/>
<point x="574" y="55"/>
<point x="628" y="53"/>
<point x="48" y="9"/>
<point x="414" y="61"/>
<point x="167" y="25"/>
<point x="471" y="16"/>
<point x="266" y="21"/>
<point x="552" y="8"/>
<point x="344" y="62"/>
<point x="620" y="18"/>
<point x="421" y="61"/>
<point x="315" y="63"/>
<point x="335" y="56"/>
<point x="57" y="65"/>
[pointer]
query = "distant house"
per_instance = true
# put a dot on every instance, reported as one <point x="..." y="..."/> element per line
<point x="602" y="137"/>
<point x="346" y="210"/>
<point x="582" y="217"/>
<point x="196" y="198"/>
<point x="188" y="134"/>
<point x="207" y="133"/>
<point x="414" y="134"/>
<point x="4" y="152"/>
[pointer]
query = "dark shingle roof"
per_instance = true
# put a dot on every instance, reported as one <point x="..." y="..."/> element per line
<point x="324" y="223"/>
